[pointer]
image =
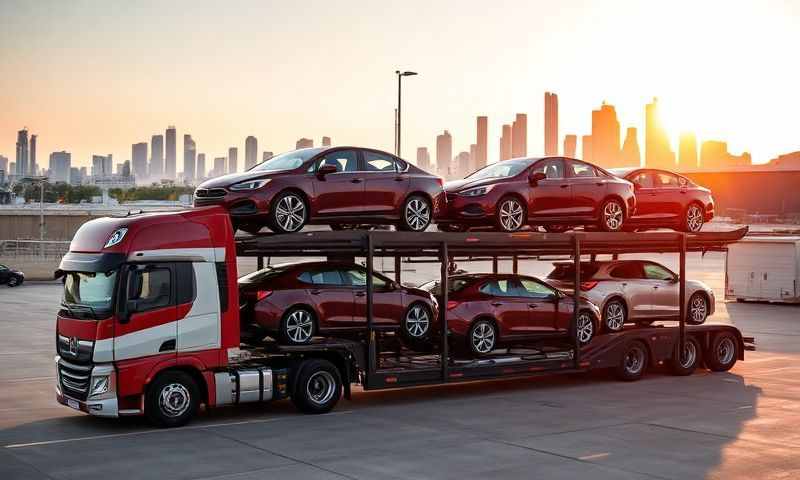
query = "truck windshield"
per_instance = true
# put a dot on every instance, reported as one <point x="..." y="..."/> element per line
<point x="89" y="291"/>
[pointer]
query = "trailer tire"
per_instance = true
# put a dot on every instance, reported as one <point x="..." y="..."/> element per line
<point x="632" y="362"/>
<point x="723" y="352"/>
<point x="172" y="399"/>
<point x="686" y="362"/>
<point x="318" y="386"/>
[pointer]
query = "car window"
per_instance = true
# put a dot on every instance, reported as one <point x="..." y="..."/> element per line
<point x="327" y="277"/>
<point x="499" y="288"/>
<point x="358" y="278"/>
<point x="305" y="277"/>
<point x="666" y="180"/>
<point x="151" y="288"/>
<point x="3" y="268"/>
<point x="552" y="168"/>
<point x="580" y="169"/>
<point x="566" y="271"/>
<point x="657" y="272"/>
<point x="343" y="160"/>
<point x="643" y="179"/>
<point x="379" y="162"/>
<point x="627" y="270"/>
<point x="534" y="289"/>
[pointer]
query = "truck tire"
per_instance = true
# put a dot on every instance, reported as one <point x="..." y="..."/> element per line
<point x="723" y="353"/>
<point x="318" y="386"/>
<point x="172" y="399"/>
<point x="685" y="362"/>
<point x="633" y="362"/>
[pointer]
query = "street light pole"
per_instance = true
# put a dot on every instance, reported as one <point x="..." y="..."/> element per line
<point x="398" y="136"/>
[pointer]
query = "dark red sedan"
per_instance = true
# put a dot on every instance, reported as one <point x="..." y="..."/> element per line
<point x="667" y="200"/>
<point x="331" y="185"/>
<point x="488" y="310"/>
<point x="555" y="192"/>
<point x="295" y="302"/>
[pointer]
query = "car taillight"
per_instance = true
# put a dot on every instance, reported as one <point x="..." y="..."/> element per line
<point x="586" y="286"/>
<point x="262" y="294"/>
<point x="451" y="304"/>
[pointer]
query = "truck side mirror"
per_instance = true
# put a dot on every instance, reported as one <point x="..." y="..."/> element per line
<point x="534" y="179"/>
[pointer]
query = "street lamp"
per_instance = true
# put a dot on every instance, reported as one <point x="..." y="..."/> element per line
<point x="400" y="76"/>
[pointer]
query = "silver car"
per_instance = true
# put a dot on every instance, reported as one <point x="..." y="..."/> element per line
<point x="635" y="291"/>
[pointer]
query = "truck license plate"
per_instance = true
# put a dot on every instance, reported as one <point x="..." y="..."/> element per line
<point x="73" y="404"/>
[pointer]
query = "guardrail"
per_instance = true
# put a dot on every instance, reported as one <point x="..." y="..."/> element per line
<point x="34" y="248"/>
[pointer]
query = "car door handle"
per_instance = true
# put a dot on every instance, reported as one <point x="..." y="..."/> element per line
<point x="564" y="186"/>
<point x="533" y="305"/>
<point x="316" y="292"/>
<point x="655" y="287"/>
<point x="624" y="284"/>
<point x="398" y="179"/>
<point x="599" y="184"/>
<point x="356" y="180"/>
<point x="360" y="294"/>
<point x="496" y="304"/>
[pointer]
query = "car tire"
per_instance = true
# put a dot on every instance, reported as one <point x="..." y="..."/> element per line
<point x="317" y="387"/>
<point x="633" y="362"/>
<point x="482" y="337"/>
<point x="511" y="215"/>
<point x="587" y="328"/>
<point x="693" y="218"/>
<point x="338" y="227"/>
<point x="451" y="227"/>
<point x="612" y="215"/>
<point x="172" y="399"/>
<point x="417" y="322"/>
<point x="614" y="315"/>
<point x="416" y="215"/>
<point x="288" y="213"/>
<point x="557" y="228"/>
<point x="249" y="228"/>
<point x="723" y="353"/>
<point x="298" y="326"/>
<point x="14" y="281"/>
<point x="697" y="309"/>
<point x="685" y="362"/>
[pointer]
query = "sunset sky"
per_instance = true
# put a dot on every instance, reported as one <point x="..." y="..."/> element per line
<point x="97" y="76"/>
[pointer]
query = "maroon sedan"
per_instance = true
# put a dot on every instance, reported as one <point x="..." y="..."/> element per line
<point x="555" y="192"/>
<point x="667" y="200"/>
<point x="331" y="185"/>
<point x="488" y="310"/>
<point x="294" y="302"/>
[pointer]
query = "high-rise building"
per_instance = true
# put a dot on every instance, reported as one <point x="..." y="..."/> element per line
<point x="22" y="153"/>
<point x="139" y="160"/>
<point x="170" y="160"/>
<point x="550" y="124"/>
<point x="714" y="155"/>
<point x="250" y="152"/>
<point x="219" y="167"/>
<point x="687" y="152"/>
<point x="473" y="160"/>
<point x="125" y="171"/>
<point x="304" y="143"/>
<point x="519" y="136"/>
<point x="201" y="166"/>
<point x="570" y="145"/>
<point x="102" y="165"/>
<point x="480" y="158"/>
<point x="60" y="166"/>
<point x="33" y="169"/>
<point x="586" y="148"/>
<point x="4" y="165"/>
<point x="156" y="157"/>
<point x="233" y="160"/>
<point x="189" y="159"/>
<point x="630" y="155"/>
<point x="326" y="141"/>
<point x="657" y="151"/>
<point x="444" y="153"/>
<point x="605" y="137"/>
<point x="461" y="164"/>
<point x="266" y="156"/>
<point x="506" y="142"/>
<point x="423" y="158"/>
<point x="75" y="177"/>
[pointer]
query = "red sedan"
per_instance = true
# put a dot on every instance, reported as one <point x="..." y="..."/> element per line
<point x="295" y="302"/>
<point x="489" y="310"/>
<point x="331" y="185"/>
<point x="555" y="192"/>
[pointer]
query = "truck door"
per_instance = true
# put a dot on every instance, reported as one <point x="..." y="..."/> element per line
<point x="197" y="306"/>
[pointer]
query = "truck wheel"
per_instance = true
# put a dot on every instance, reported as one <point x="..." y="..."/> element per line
<point x="318" y="386"/>
<point x="723" y="353"/>
<point x="633" y="362"/>
<point x="685" y="362"/>
<point x="172" y="399"/>
<point x="297" y="326"/>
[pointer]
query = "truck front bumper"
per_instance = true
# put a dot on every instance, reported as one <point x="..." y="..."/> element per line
<point x="102" y="402"/>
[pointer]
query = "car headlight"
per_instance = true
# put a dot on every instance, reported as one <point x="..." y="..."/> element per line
<point x="249" y="185"/>
<point x="477" y="191"/>
<point x="99" y="385"/>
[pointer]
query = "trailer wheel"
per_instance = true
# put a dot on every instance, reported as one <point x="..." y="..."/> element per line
<point x="172" y="399"/>
<point x="723" y="352"/>
<point x="318" y="386"/>
<point x="633" y="362"/>
<point x="685" y="362"/>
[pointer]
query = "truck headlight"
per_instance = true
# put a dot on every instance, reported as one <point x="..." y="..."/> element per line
<point x="99" y="385"/>
<point x="249" y="185"/>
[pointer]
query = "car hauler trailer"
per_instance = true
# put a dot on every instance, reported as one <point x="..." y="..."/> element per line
<point x="182" y="345"/>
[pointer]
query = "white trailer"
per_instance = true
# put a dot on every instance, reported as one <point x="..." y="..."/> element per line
<point x="763" y="269"/>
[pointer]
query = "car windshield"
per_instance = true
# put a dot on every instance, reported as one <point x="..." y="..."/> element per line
<point x="287" y="161"/>
<point x="566" y="272"/>
<point x="454" y="285"/>
<point x="503" y="169"/>
<point x="89" y="290"/>
<point x="264" y="275"/>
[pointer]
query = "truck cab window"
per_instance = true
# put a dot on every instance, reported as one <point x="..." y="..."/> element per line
<point x="150" y="288"/>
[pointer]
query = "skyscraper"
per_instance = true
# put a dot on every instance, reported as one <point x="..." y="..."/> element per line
<point x="22" y="152"/>
<point x="423" y="158"/>
<point x="266" y="156"/>
<point x="170" y="162"/>
<point x="201" y="166"/>
<point x="189" y="159"/>
<point x="630" y="155"/>
<point x="326" y="141"/>
<point x="519" y="136"/>
<point x="586" y="148"/>
<point x="570" y="145"/>
<point x="139" y="161"/>
<point x="687" y="152"/>
<point x="304" y="143"/>
<point x="4" y="165"/>
<point x="60" y="166"/>
<point x="444" y="153"/>
<point x="481" y="153"/>
<point x="657" y="152"/>
<point x="505" y="142"/>
<point x="461" y="164"/>
<point x="233" y="160"/>
<point x="473" y="160"/>
<point x="250" y="152"/>
<point x="605" y="136"/>
<point x="156" y="157"/>
<point x="33" y="169"/>
<point x="550" y="124"/>
<point x="219" y="167"/>
<point x="102" y="165"/>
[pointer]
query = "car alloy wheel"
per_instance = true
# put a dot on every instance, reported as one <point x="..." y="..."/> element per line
<point x="511" y="215"/>
<point x="613" y="216"/>
<point x="13" y="281"/>
<point x="698" y="310"/>
<point x="585" y="328"/>
<point x="290" y="213"/>
<point x="694" y="219"/>
<point x="417" y="321"/>
<point x="417" y="214"/>
<point x="174" y="400"/>
<point x="614" y="316"/>
<point x="483" y="337"/>
<point x="299" y="326"/>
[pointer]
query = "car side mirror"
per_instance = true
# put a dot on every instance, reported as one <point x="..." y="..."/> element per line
<point x="325" y="170"/>
<point x="534" y="179"/>
<point x="675" y="279"/>
<point x="637" y="186"/>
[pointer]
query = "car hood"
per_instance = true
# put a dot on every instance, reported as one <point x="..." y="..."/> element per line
<point x="464" y="183"/>
<point x="232" y="178"/>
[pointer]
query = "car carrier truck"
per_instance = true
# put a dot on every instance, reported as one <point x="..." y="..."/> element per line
<point x="150" y="323"/>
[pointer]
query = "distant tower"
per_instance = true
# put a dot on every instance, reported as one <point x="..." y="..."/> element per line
<point x="657" y="152"/>
<point x="630" y="156"/>
<point x="519" y="136"/>
<point x="473" y="157"/>
<point x="189" y="159"/>
<point x="605" y="136"/>
<point x="326" y="141"/>
<point x="687" y="152"/>
<point x="250" y="152"/>
<point x="444" y="153"/>
<point x="201" y="171"/>
<point x="550" y="124"/>
<point x="233" y="160"/>
<point x="266" y="156"/>
<point x="170" y="165"/>
<point x="60" y="166"/>
<point x="219" y="167"/>
<point x="570" y="144"/>
<point x="304" y="143"/>
<point x="22" y="153"/>
<point x="586" y="148"/>
<point x="482" y="143"/>
<point x="505" y="142"/>
<point x="139" y="160"/>
<point x="423" y="158"/>
<point x="156" y="157"/>
<point x="34" y="168"/>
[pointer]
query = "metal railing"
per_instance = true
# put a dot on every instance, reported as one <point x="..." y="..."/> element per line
<point x="34" y="248"/>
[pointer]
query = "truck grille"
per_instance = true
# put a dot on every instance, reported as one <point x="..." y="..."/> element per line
<point x="75" y="350"/>
<point x="209" y="193"/>
<point x="74" y="379"/>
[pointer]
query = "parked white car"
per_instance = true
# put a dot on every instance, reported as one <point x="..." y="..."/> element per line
<point x="635" y="291"/>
